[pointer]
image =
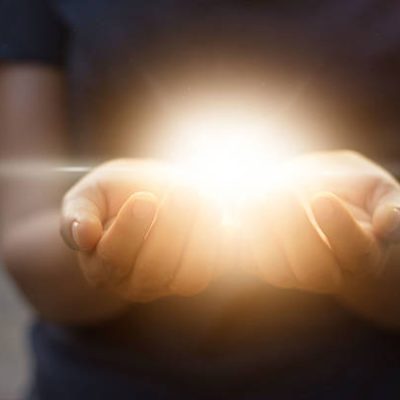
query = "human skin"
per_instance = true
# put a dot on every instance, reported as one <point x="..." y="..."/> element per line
<point x="32" y="250"/>
<point x="329" y="231"/>
<point x="334" y="230"/>
<point x="50" y="273"/>
<point x="142" y="233"/>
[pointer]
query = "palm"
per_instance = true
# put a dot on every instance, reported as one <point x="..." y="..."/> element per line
<point x="357" y="181"/>
<point x="334" y="215"/>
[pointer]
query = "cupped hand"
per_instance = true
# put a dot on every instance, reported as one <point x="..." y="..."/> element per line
<point x="334" y="221"/>
<point x="140" y="233"/>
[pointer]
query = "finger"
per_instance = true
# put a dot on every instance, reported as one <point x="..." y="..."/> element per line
<point x="160" y="255"/>
<point x="309" y="257"/>
<point x="386" y="214"/>
<point x="270" y="261"/>
<point x="198" y="263"/>
<point x="354" y="247"/>
<point x="82" y="215"/>
<point x="120" y="245"/>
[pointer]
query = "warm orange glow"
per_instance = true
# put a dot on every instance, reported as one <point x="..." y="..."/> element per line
<point x="230" y="156"/>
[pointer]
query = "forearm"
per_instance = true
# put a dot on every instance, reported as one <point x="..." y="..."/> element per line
<point x="47" y="273"/>
<point x="377" y="299"/>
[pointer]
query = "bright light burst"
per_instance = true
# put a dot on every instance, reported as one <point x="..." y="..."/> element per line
<point x="231" y="156"/>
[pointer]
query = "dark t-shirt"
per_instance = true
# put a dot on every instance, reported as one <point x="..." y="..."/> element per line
<point x="127" y="61"/>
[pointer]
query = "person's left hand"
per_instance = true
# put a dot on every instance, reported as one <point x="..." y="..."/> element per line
<point x="336" y="221"/>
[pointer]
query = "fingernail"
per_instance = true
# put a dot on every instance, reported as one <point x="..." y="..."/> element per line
<point x="143" y="209"/>
<point x="75" y="233"/>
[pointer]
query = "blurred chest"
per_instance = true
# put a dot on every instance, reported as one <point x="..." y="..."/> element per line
<point x="128" y="59"/>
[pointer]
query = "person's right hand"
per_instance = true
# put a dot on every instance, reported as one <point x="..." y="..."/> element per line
<point x="139" y="233"/>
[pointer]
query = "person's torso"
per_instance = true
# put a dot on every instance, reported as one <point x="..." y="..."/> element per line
<point x="130" y="62"/>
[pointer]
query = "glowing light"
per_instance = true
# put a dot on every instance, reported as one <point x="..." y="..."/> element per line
<point x="230" y="156"/>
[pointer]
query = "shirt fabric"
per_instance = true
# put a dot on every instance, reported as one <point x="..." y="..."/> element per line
<point x="126" y="62"/>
